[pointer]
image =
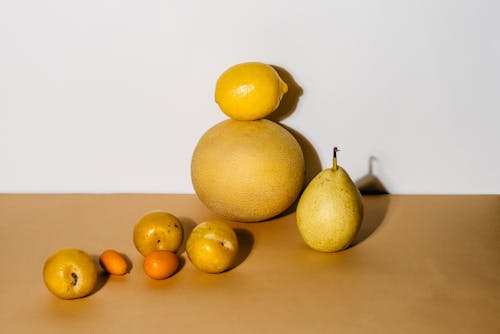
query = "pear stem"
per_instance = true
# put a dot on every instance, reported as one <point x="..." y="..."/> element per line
<point x="335" y="149"/>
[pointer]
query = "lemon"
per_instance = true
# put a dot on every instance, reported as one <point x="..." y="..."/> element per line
<point x="249" y="91"/>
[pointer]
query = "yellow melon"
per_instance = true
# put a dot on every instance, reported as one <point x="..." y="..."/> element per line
<point x="247" y="170"/>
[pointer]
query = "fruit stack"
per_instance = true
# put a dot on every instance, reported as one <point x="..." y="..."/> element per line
<point x="248" y="168"/>
<point x="251" y="169"/>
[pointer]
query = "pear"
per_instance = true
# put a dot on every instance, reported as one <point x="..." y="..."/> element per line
<point x="330" y="210"/>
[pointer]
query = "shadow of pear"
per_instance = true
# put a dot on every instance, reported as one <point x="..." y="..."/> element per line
<point x="376" y="202"/>
<point x="370" y="184"/>
<point x="375" y="209"/>
<point x="290" y="99"/>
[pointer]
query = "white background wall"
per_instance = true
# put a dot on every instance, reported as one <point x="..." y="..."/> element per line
<point x="112" y="96"/>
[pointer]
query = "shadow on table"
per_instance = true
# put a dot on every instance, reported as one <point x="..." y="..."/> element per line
<point x="375" y="209"/>
<point x="376" y="201"/>
<point x="103" y="276"/>
<point x="245" y="242"/>
<point x="187" y="226"/>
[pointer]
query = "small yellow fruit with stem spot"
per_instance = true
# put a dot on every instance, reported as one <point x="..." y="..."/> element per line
<point x="212" y="247"/>
<point x="158" y="230"/>
<point x="70" y="273"/>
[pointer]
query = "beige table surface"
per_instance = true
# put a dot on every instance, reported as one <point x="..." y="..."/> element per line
<point x="421" y="264"/>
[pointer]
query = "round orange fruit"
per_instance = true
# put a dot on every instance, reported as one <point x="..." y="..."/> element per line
<point x="160" y="264"/>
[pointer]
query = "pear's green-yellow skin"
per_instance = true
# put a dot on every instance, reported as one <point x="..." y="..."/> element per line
<point x="70" y="273"/>
<point x="330" y="211"/>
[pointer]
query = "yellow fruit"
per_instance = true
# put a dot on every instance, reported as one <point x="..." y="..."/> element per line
<point x="330" y="210"/>
<point x="160" y="264"/>
<point x="158" y="230"/>
<point x="113" y="262"/>
<point x="70" y="273"/>
<point x="249" y="91"/>
<point x="212" y="247"/>
<point x="247" y="170"/>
